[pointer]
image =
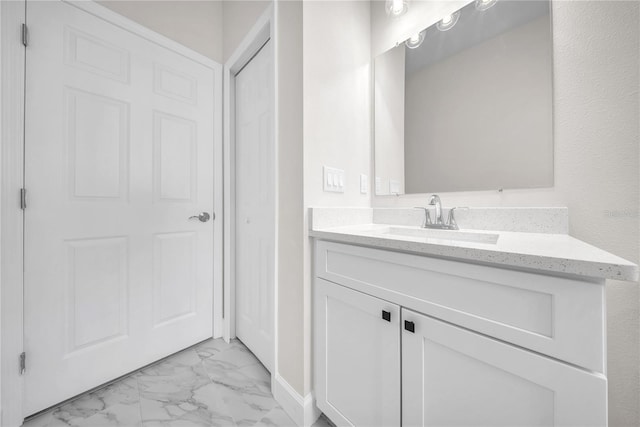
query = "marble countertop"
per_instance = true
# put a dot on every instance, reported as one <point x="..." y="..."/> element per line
<point x="553" y="253"/>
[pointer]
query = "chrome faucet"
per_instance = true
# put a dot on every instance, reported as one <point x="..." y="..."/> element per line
<point x="435" y="201"/>
<point x="439" y="222"/>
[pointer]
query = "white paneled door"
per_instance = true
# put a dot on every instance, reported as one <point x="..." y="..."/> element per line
<point x="255" y="206"/>
<point x="119" y="154"/>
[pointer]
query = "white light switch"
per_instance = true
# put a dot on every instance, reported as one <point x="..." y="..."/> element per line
<point x="333" y="179"/>
<point x="378" y="185"/>
<point x="364" y="184"/>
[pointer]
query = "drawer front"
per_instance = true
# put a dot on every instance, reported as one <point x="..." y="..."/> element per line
<point x="559" y="317"/>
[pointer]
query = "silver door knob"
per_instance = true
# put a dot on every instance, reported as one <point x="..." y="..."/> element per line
<point x="202" y="217"/>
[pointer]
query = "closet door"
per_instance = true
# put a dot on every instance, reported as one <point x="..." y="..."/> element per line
<point x="255" y="206"/>
<point x="454" y="377"/>
<point x="357" y="357"/>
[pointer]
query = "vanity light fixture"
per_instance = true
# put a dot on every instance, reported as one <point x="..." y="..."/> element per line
<point x="415" y="40"/>
<point x="448" y="21"/>
<point x="396" y="7"/>
<point x="483" y="5"/>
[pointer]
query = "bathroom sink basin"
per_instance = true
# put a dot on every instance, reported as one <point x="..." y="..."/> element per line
<point x="459" y="236"/>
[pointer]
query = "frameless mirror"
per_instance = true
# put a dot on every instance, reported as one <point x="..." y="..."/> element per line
<point x="467" y="103"/>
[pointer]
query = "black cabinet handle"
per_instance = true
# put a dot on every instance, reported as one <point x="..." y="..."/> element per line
<point x="386" y="315"/>
<point x="409" y="326"/>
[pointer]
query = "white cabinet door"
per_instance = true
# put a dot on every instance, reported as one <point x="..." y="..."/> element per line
<point x="357" y="363"/>
<point x="454" y="377"/>
<point x="118" y="155"/>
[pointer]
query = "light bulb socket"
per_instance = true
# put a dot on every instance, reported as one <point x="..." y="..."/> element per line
<point x="483" y="5"/>
<point x="449" y="22"/>
<point x="415" y="41"/>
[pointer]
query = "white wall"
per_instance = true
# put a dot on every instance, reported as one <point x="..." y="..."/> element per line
<point x="289" y="137"/>
<point x="337" y="122"/>
<point x="481" y="119"/>
<point x="337" y="98"/>
<point x="596" y="133"/>
<point x="195" y="24"/>
<point x="213" y="28"/>
<point x="238" y="16"/>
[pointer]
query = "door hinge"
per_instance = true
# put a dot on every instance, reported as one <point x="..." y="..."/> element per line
<point x="23" y="198"/>
<point x="25" y="35"/>
<point x="23" y="363"/>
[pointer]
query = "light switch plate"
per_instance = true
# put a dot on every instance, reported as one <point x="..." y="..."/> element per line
<point x="394" y="186"/>
<point x="364" y="184"/>
<point x="333" y="179"/>
<point x="378" y="185"/>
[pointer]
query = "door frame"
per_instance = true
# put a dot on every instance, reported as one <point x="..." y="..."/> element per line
<point x="12" y="82"/>
<point x="261" y="32"/>
<point x="12" y="57"/>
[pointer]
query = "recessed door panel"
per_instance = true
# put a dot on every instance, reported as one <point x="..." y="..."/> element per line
<point x="92" y="54"/>
<point x="175" y="169"/>
<point x="175" y="275"/>
<point x="174" y="84"/>
<point x="451" y="373"/>
<point x="98" y="136"/>
<point x="98" y="291"/>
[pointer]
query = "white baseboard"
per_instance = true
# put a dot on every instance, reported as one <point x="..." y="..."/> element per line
<point x="302" y="410"/>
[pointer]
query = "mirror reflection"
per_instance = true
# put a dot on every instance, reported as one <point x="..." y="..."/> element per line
<point x="466" y="104"/>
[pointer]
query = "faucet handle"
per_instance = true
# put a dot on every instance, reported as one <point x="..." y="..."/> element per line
<point x="427" y="216"/>
<point x="451" y="222"/>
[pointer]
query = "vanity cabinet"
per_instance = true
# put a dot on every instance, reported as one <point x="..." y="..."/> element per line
<point x="358" y="356"/>
<point x="402" y="339"/>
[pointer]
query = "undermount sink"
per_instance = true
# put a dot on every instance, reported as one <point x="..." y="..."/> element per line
<point x="460" y="236"/>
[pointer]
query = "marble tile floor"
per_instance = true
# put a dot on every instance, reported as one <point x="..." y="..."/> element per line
<point x="211" y="384"/>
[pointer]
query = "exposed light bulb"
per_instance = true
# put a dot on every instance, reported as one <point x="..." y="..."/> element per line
<point x="448" y="21"/>
<point x="483" y="5"/>
<point x="415" y="40"/>
<point x="396" y="7"/>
